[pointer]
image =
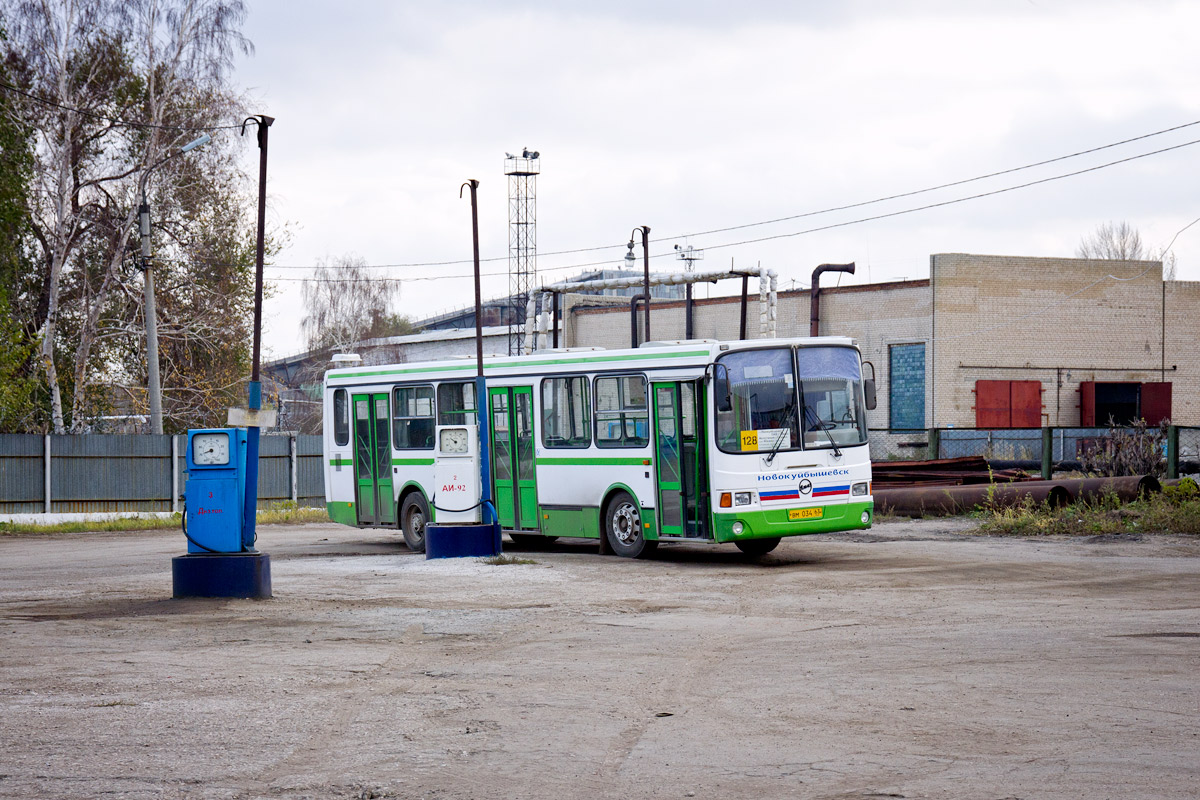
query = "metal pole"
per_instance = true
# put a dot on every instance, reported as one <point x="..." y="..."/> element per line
<point x="295" y="463"/>
<point x="646" y="278"/>
<point x="687" y="313"/>
<point x="554" y="319"/>
<point x="481" y="398"/>
<point x="46" y="475"/>
<point x="254" y="390"/>
<point x="154" y="388"/>
<point x="745" y="289"/>
<point x="174" y="474"/>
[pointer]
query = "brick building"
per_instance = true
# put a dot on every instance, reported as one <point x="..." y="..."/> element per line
<point x="986" y="341"/>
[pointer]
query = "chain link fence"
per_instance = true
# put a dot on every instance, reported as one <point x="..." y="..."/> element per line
<point x="893" y="445"/>
<point x="1024" y="447"/>
<point x="1188" y="452"/>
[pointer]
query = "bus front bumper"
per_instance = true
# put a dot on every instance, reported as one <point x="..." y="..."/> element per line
<point x="769" y="523"/>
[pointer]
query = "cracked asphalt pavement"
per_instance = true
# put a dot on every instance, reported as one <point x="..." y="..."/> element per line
<point x="913" y="660"/>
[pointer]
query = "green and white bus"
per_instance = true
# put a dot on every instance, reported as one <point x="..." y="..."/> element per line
<point x="738" y="442"/>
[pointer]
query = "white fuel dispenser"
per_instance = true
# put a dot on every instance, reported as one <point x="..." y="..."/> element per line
<point x="456" y="475"/>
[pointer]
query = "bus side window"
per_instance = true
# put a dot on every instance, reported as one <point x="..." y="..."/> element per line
<point x="456" y="404"/>
<point x="412" y="418"/>
<point x="341" y="418"/>
<point x="566" y="413"/>
<point x="622" y="416"/>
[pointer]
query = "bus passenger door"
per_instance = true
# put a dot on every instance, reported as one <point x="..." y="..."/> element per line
<point x="668" y="459"/>
<point x="681" y="468"/>
<point x="514" y="484"/>
<point x="526" y="506"/>
<point x="374" y="503"/>
<point x="503" y="488"/>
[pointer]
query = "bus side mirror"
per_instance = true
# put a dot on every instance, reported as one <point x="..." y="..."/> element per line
<point x="869" y="393"/>
<point x="721" y="387"/>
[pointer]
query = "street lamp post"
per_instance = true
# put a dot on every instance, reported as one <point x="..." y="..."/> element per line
<point x="645" y="229"/>
<point x="154" y="387"/>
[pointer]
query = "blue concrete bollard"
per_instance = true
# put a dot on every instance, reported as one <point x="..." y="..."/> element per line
<point x="246" y="575"/>
<point x="462" y="541"/>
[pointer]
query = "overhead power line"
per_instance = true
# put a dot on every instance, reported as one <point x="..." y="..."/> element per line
<point x="831" y="226"/>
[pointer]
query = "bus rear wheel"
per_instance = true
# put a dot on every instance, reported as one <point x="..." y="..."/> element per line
<point x="758" y="547"/>
<point x="624" y="530"/>
<point x="413" y="516"/>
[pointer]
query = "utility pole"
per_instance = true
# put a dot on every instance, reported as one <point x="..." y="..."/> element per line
<point x="153" y="386"/>
<point x="153" y="383"/>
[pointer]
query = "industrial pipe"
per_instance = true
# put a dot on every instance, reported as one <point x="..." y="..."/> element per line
<point x="918" y="501"/>
<point x="814" y="317"/>
<point x="633" y="308"/>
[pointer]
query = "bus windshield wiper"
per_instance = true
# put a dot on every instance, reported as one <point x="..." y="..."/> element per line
<point x="786" y="431"/>
<point x="822" y="425"/>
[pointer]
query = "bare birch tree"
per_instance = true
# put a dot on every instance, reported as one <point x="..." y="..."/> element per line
<point x="89" y="63"/>
<point x="344" y="304"/>
<point x="1120" y="241"/>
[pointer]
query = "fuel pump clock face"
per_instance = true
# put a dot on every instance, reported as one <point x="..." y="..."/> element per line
<point x="210" y="449"/>
<point x="454" y="440"/>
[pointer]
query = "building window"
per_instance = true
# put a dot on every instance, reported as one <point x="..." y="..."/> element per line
<point x="565" y="412"/>
<point x="622" y="417"/>
<point x="906" y="390"/>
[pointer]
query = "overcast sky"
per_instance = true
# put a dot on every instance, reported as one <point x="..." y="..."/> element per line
<point x="689" y="116"/>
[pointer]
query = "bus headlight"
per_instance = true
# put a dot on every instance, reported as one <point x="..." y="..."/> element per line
<point x="742" y="498"/>
<point x="738" y="528"/>
<point x="858" y="489"/>
<point x="866" y="517"/>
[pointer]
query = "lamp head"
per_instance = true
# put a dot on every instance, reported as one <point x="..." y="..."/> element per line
<point x="200" y="141"/>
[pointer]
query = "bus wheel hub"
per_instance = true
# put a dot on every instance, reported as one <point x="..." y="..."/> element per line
<point x="626" y="523"/>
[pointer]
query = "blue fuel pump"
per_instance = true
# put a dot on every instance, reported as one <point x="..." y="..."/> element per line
<point x="214" y="497"/>
<point x="221" y="560"/>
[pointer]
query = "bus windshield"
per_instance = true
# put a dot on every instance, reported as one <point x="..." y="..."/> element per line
<point x="766" y="401"/>
<point x="832" y="410"/>
<point x="756" y="402"/>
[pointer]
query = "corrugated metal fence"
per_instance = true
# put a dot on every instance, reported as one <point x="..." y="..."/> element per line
<point x="99" y="472"/>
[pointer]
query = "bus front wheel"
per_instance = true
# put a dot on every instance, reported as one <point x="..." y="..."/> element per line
<point x="623" y="527"/>
<point x="413" y="516"/>
<point x="758" y="547"/>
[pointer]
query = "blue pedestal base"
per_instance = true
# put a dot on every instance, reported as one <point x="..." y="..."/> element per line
<point x="222" y="575"/>
<point x="462" y="541"/>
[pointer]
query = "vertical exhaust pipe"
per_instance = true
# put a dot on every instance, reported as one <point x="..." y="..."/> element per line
<point x="814" y="317"/>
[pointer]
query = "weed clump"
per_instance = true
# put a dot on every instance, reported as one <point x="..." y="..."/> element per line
<point x="1175" y="510"/>
<point x="505" y="560"/>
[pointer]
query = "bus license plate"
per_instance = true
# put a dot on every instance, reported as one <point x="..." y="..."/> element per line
<point x="805" y="513"/>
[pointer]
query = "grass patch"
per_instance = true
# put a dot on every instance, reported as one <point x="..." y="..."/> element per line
<point x="120" y="524"/>
<point x="505" y="560"/>
<point x="1175" y="510"/>
<point x="285" y="512"/>
<point x="289" y="512"/>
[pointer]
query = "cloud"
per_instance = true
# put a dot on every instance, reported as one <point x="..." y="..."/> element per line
<point x="694" y="116"/>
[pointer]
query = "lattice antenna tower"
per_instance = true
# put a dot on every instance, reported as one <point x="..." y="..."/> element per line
<point x="522" y="171"/>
